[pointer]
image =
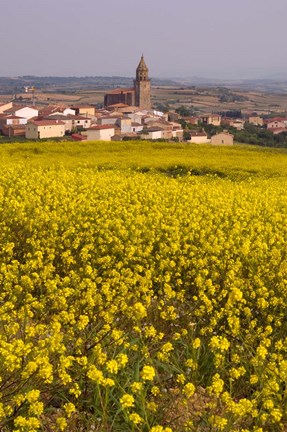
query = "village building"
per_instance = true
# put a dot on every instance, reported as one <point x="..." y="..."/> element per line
<point x="125" y="96"/>
<point x="173" y="116"/>
<point x="256" y="120"/>
<point x="278" y="130"/>
<point x="60" y="117"/>
<point x="79" y="121"/>
<point x="39" y="129"/>
<point x="84" y="110"/>
<point x="26" y="112"/>
<point x="119" y="107"/>
<point x="136" y="127"/>
<point x="237" y="124"/>
<point x="109" y="120"/>
<point x="11" y="125"/>
<point x="101" y="132"/>
<point x="211" y="119"/>
<point x="13" y="130"/>
<point x="177" y="134"/>
<point x="153" y="133"/>
<point x="5" y="106"/>
<point x="198" y="137"/>
<point x="222" y="138"/>
<point x="11" y="120"/>
<point x="139" y="95"/>
<point x="276" y="123"/>
<point x="125" y="136"/>
<point x="55" y="110"/>
<point x="192" y="120"/>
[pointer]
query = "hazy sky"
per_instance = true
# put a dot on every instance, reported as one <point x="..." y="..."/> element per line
<point x="182" y="38"/>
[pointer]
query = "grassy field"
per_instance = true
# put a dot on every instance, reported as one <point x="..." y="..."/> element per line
<point x="143" y="288"/>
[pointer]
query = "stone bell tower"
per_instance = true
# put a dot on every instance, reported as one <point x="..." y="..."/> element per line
<point x="142" y="86"/>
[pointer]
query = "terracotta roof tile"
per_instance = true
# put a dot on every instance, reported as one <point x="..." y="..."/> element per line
<point x="46" y="122"/>
<point x="99" y="127"/>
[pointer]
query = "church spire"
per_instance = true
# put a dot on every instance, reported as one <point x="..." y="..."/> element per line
<point x="142" y="70"/>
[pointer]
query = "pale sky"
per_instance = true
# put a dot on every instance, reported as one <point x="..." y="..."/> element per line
<point x="184" y="38"/>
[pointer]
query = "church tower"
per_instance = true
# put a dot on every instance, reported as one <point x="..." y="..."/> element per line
<point x="142" y="86"/>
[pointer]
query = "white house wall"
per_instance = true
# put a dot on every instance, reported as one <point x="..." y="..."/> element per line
<point x="27" y="113"/>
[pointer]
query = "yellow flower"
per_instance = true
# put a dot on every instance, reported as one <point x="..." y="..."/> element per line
<point x="135" y="418"/>
<point x="151" y="406"/>
<point x="75" y="390"/>
<point x="253" y="379"/>
<point x="159" y="428"/>
<point x="30" y="424"/>
<point x="32" y="395"/>
<point x="36" y="408"/>
<point x="261" y="352"/>
<point x="189" y="390"/>
<point x="95" y="374"/>
<point x="112" y="366"/>
<point x="108" y="382"/>
<point x="69" y="408"/>
<point x="139" y="310"/>
<point x="136" y="386"/>
<point x="148" y="373"/>
<point x="155" y="391"/>
<point x="217" y="385"/>
<point x="62" y="423"/>
<point x="218" y="422"/>
<point x="127" y="401"/>
<point x="276" y="414"/>
<point x="180" y="378"/>
<point x="219" y="343"/>
<point x="122" y="360"/>
<point x="196" y="343"/>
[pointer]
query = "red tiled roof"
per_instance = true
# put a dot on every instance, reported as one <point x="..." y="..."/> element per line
<point x="46" y="122"/>
<point x="198" y="134"/>
<point x="223" y="133"/>
<point x="121" y="90"/>
<point x="10" y="116"/>
<point x="17" y="126"/>
<point x="118" y="105"/>
<point x="99" y="127"/>
<point x="277" y="130"/>
<point x="155" y="129"/>
<point x="276" y="119"/>
<point x="77" y="117"/>
<point x="15" y="117"/>
<point x="81" y="106"/>
<point x="112" y="117"/>
<point x="19" y="107"/>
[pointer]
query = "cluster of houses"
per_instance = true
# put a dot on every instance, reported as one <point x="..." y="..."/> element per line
<point x="274" y="125"/>
<point x="84" y="123"/>
<point x="118" y="122"/>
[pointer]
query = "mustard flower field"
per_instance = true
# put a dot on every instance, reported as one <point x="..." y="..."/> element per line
<point x="141" y="297"/>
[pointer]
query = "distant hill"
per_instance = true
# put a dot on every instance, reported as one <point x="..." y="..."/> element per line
<point x="53" y="84"/>
<point x="12" y="85"/>
<point x="271" y="85"/>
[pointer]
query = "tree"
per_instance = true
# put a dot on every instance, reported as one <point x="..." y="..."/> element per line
<point x="183" y="111"/>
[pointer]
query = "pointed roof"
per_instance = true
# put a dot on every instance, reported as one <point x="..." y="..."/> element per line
<point x="142" y="65"/>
